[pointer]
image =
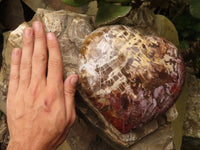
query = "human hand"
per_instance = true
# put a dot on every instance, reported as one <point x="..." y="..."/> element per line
<point x="40" y="107"/>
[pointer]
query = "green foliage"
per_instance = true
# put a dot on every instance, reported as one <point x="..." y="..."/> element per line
<point x="165" y="28"/>
<point x="76" y="3"/>
<point x="109" y="12"/>
<point x="189" y="29"/>
<point x="184" y="44"/>
<point x="188" y="26"/>
<point x="195" y="8"/>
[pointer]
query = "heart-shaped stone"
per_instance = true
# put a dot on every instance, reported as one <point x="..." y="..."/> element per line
<point x="128" y="77"/>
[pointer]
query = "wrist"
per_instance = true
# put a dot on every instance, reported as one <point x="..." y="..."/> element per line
<point x="13" y="145"/>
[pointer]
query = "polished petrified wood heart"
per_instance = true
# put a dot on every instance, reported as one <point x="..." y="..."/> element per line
<point x="128" y="77"/>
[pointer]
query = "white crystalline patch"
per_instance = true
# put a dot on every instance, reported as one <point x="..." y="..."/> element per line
<point x="108" y="49"/>
<point x="104" y="47"/>
<point x="16" y="35"/>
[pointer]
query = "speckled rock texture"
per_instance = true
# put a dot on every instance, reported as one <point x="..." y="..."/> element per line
<point x="4" y="136"/>
<point x="191" y="139"/>
<point x="192" y="117"/>
<point x="53" y="5"/>
<point x="71" y="30"/>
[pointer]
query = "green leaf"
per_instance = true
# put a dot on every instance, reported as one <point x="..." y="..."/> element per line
<point x="109" y="12"/>
<point x="184" y="44"/>
<point x="195" y="8"/>
<point x="76" y="3"/>
<point x="165" y="28"/>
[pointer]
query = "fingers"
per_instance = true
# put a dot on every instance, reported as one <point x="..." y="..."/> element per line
<point x="55" y="72"/>
<point x="14" y="71"/>
<point x="69" y="91"/>
<point x="26" y="61"/>
<point x="33" y="63"/>
<point x="39" y="60"/>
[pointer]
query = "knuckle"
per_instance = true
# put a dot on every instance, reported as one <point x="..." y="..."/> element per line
<point x="33" y="90"/>
<point x="14" y="76"/>
<point x="54" y="62"/>
<point x="26" y="64"/>
<point x="24" y="79"/>
<point x="40" y="35"/>
<point x="27" y="42"/>
<point x="40" y="58"/>
<point x="53" y="93"/>
<point x="15" y="63"/>
<point x="53" y="45"/>
<point x="69" y="91"/>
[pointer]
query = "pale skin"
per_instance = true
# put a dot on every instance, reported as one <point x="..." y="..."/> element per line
<point x="40" y="106"/>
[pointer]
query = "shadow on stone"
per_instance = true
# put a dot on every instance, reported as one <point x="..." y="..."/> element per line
<point x="190" y="143"/>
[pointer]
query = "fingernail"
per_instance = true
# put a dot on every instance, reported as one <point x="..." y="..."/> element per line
<point x="37" y="25"/>
<point x="50" y="36"/>
<point x="74" y="81"/>
<point x="27" y="32"/>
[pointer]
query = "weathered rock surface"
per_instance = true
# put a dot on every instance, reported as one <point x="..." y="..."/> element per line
<point x="191" y="138"/>
<point x="71" y="30"/>
<point x="4" y="74"/>
<point x="4" y="136"/>
<point x="83" y="137"/>
<point x="3" y="127"/>
<point x="162" y="139"/>
<point x="190" y="143"/>
<point x="192" y="117"/>
<point x="53" y="5"/>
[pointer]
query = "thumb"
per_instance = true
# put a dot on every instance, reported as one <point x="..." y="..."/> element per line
<point x="70" y="86"/>
<point x="69" y="91"/>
